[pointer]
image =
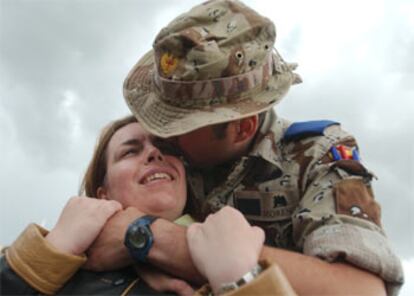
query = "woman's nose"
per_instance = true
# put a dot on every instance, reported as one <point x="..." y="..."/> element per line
<point x="154" y="154"/>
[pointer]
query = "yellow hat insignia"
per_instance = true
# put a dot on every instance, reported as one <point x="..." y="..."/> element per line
<point x="168" y="63"/>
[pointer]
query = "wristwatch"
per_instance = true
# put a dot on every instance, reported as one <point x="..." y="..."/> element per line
<point x="139" y="237"/>
<point x="248" y="277"/>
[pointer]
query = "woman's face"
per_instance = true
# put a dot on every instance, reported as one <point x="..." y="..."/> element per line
<point x="139" y="175"/>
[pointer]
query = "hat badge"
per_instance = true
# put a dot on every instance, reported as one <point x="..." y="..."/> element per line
<point x="168" y="63"/>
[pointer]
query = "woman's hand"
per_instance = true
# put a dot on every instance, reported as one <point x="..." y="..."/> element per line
<point x="225" y="246"/>
<point x="80" y="222"/>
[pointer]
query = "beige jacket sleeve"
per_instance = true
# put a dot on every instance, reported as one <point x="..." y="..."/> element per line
<point x="271" y="281"/>
<point x="39" y="263"/>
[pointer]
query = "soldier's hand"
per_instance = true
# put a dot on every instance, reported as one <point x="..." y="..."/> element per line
<point x="162" y="282"/>
<point x="80" y="222"/>
<point x="225" y="246"/>
<point x="108" y="251"/>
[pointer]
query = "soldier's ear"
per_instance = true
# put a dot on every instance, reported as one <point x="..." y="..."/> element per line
<point x="246" y="128"/>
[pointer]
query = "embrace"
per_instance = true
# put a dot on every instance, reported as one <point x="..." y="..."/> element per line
<point x="205" y="190"/>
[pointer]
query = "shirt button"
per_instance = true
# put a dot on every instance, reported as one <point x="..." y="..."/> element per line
<point x="118" y="282"/>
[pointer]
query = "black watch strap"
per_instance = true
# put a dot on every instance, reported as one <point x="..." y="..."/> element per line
<point x="139" y="238"/>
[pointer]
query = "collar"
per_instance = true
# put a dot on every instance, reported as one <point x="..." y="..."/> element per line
<point x="184" y="220"/>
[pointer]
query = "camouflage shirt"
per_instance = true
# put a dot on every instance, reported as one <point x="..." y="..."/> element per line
<point x="304" y="198"/>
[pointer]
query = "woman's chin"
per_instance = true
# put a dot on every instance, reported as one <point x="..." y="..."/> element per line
<point x="166" y="208"/>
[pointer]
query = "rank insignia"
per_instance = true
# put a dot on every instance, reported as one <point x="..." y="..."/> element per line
<point x="168" y="63"/>
<point x="343" y="152"/>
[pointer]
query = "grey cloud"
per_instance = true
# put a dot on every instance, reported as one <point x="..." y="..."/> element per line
<point x="51" y="47"/>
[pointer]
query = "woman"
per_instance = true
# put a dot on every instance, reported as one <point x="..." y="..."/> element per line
<point x="128" y="169"/>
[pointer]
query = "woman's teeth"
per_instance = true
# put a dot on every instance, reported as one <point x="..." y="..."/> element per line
<point x="157" y="176"/>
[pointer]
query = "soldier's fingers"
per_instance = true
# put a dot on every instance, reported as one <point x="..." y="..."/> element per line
<point x="180" y="287"/>
<point x="107" y="208"/>
<point x="115" y="205"/>
<point x="259" y="234"/>
<point x="193" y="231"/>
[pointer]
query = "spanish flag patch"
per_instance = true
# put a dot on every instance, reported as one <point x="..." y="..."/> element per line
<point x="344" y="152"/>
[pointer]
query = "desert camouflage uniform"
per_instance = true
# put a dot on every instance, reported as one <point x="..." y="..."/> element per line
<point x="215" y="64"/>
<point x="304" y="200"/>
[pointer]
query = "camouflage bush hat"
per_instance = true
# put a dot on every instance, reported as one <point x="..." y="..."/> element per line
<point x="210" y="65"/>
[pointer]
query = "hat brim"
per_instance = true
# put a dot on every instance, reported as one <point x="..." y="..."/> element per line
<point x="165" y="120"/>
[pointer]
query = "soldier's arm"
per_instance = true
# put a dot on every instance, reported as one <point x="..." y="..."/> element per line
<point x="170" y="251"/>
<point x="307" y="275"/>
<point x="338" y="219"/>
<point x="311" y="276"/>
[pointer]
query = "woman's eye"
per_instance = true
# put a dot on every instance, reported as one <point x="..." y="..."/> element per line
<point x="129" y="152"/>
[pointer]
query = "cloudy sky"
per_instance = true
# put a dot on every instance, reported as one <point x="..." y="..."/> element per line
<point x="62" y="64"/>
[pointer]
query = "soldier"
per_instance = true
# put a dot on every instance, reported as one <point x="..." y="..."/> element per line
<point x="209" y="85"/>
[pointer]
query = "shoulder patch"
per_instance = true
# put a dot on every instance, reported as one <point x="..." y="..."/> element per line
<point x="299" y="130"/>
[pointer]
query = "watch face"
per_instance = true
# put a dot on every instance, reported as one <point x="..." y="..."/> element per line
<point x="138" y="237"/>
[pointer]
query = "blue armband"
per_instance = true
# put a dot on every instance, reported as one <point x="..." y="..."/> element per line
<point x="299" y="130"/>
